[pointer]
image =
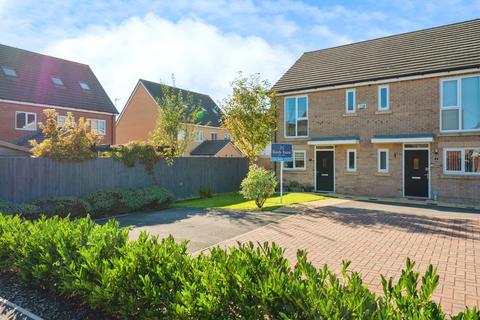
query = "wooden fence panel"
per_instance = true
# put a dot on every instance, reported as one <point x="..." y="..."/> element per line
<point x="27" y="179"/>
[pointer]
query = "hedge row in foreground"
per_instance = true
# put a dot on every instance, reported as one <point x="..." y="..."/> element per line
<point x="98" y="203"/>
<point x="157" y="279"/>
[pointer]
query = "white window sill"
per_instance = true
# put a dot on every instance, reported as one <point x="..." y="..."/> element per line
<point x="383" y="112"/>
<point x="20" y="129"/>
<point x="296" y="137"/>
<point x="459" y="133"/>
<point x="460" y="176"/>
<point x="295" y="170"/>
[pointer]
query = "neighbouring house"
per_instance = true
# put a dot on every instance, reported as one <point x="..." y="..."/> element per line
<point x="138" y="118"/>
<point x="8" y="149"/>
<point x="216" y="148"/>
<point x="397" y="116"/>
<point x="31" y="82"/>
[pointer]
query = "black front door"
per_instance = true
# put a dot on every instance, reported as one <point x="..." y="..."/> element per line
<point x="324" y="168"/>
<point x="416" y="173"/>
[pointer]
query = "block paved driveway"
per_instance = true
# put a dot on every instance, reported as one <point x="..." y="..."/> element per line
<point x="378" y="238"/>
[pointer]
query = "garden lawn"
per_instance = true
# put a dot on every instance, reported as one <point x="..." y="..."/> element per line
<point x="235" y="201"/>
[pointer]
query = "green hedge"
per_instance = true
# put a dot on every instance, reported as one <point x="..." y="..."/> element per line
<point x="157" y="279"/>
<point x="97" y="204"/>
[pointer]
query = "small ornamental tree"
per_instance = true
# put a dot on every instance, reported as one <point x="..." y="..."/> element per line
<point x="174" y="129"/>
<point x="72" y="141"/>
<point x="250" y="115"/>
<point x="258" y="185"/>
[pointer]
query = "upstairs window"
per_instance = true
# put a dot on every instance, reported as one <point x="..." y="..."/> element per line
<point x="57" y="81"/>
<point x="296" y="117"/>
<point x="460" y="104"/>
<point x="25" y="121"/>
<point x="199" y="136"/>
<point x="227" y="136"/>
<point x="181" y="135"/>
<point x="97" y="126"/>
<point x="61" y="120"/>
<point x="350" y="101"/>
<point x="383" y="98"/>
<point x="10" y="72"/>
<point x="214" y="136"/>
<point x="84" y="86"/>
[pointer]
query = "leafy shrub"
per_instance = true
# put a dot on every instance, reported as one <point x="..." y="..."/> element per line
<point x="72" y="141"/>
<point x="137" y="151"/>
<point x="205" y="192"/>
<point x="158" y="279"/>
<point x="25" y="209"/>
<point x="63" y="206"/>
<point x="115" y="201"/>
<point x="258" y="185"/>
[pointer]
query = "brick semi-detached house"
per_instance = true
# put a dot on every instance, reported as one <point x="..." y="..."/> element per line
<point x="32" y="82"/>
<point x="138" y="120"/>
<point x="397" y="116"/>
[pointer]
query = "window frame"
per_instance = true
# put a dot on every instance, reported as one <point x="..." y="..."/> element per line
<point x="295" y="168"/>
<point x="6" y="70"/>
<point x="354" y="169"/>
<point x="97" y="131"/>
<point x="197" y="134"/>
<point x="62" y="84"/>
<point x="379" y="160"/>
<point x="63" y="117"/>
<point x="354" y="91"/>
<point x="296" y="116"/>
<point x="82" y="84"/>
<point x="227" y="136"/>
<point x="387" y="87"/>
<point x="462" y="163"/>
<point x="458" y="107"/>
<point x="26" y="117"/>
<point x="213" y="134"/>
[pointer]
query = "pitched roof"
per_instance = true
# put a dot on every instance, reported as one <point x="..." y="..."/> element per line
<point x="33" y="81"/>
<point x="211" y="113"/>
<point x="24" y="141"/>
<point x="446" y="48"/>
<point x="209" y="147"/>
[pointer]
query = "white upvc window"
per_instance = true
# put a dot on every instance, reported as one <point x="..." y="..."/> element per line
<point x="98" y="126"/>
<point x="351" y="160"/>
<point x="350" y="100"/>
<point x="461" y="161"/>
<point x="25" y="121"/>
<point x="460" y="104"/>
<point x="61" y="120"/>
<point x="383" y="98"/>
<point x="296" y="117"/>
<point x="227" y="136"/>
<point x="199" y="136"/>
<point x="299" y="161"/>
<point x="382" y="160"/>
<point x="214" y="136"/>
<point x="181" y="135"/>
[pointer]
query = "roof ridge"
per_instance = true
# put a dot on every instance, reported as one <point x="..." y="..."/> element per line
<point x="162" y="84"/>
<point x="42" y="54"/>
<point x="395" y="35"/>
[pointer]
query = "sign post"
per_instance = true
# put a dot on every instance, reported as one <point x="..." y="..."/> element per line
<point x="281" y="152"/>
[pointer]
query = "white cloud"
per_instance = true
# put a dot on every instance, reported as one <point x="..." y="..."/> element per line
<point x="202" y="58"/>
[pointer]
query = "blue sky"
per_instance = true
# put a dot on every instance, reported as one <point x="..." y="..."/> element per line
<point x="204" y="43"/>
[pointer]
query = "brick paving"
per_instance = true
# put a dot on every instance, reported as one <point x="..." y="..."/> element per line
<point x="378" y="238"/>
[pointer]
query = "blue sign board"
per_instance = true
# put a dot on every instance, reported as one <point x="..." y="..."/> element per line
<point x="281" y="152"/>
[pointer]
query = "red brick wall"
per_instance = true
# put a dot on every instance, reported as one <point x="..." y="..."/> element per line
<point x="7" y="121"/>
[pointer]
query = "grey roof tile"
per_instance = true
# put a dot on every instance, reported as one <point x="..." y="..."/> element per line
<point x="445" y="48"/>
<point x="211" y="113"/>
<point x="33" y="82"/>
<point x="209" y="147"/>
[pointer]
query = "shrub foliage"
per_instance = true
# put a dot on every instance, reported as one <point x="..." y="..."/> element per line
<point x="258" y="185"/>
<point x="157" y="279"/>
<point x="72" y="141"/>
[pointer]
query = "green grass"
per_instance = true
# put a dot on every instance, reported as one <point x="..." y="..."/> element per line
<point x="234" y="201"/>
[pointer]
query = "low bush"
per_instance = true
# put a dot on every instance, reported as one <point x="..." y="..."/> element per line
<point x="25" y="209"/>
<point x="205" y="192"/>
<point x="258" y="185"/>
<point x="157" y="279"/>
<point x="116" y="201"/>
<point x="63" y="206"/>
